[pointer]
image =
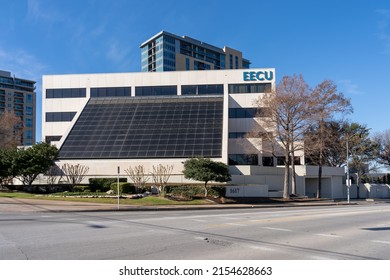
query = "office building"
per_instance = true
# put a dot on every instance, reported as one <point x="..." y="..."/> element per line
<point x="106" y="121"/>
<point x="168" y="52"/>
<point x="17" y="95"/>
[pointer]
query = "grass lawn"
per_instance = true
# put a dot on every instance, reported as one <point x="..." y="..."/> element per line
<point x="146" y="201"/>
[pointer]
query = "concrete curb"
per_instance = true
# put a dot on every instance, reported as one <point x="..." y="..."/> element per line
<point x="37" y="205"/>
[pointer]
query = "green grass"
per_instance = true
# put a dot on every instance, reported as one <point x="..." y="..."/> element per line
<point x="146" y="201"/>
<point x="17" y="195"/>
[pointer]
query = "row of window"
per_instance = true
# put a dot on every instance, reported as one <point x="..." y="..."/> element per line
<point x="111" y="91"/>
<point x="66" y="93"/>
<point x="158" y="90"/>
<point x="201" y="89"/>
<point x="60" y="116"/>
<point x="250" y="88"/>
<point x="253" y="159"/>
<point x="235" y="113"/>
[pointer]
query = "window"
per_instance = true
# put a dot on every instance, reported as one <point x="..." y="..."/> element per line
<point x="201" y="89"/>
<point x="29" y="122"/>
<point x="235" y="113"/>
<point x="268" y="161"/>
<point x="234" y="135"/>
<point x="29" y="110"/>
<point x="29" y="98"/>
<point x="66" y="93"/>
<point x="51" y="138"/>
<point x="60" y="116"/>
<point x="250" y="88"/>
<point x="243" y="159"/>
<point x="155" y="90"/>
<point x="110" y="92"/>
<point x="28" y="134"/>
<point x="280" y="160"/>
<point x="187" y="63"/>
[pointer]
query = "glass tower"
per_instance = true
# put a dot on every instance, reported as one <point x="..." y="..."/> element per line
<point x="168" y="52"/>
<point x="18" y="96"/>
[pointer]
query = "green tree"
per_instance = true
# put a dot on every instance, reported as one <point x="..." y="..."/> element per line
<point x="326" y="102"/>
<point x="362" y="150"/>
<point x="6" y="160"/>
<point x="206" y="170"/>
<point x="31" y="162"/>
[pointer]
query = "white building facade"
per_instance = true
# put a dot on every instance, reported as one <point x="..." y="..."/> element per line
<point x="106" y="121"/>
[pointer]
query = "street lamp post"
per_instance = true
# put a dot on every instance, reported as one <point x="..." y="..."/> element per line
<point x="348" y="181"/>
<point x="118" y="186"/>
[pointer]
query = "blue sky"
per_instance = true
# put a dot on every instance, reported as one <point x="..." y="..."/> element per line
<point x="344" y="41"/>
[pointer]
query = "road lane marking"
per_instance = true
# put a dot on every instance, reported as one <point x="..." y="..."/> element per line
<point x="328" y="235"/>
<point x="278" y="229"/>
<point x="235" y="224"/>
<point x="380" y="241"/>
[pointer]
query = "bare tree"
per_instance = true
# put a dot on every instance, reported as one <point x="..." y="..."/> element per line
<point x="288" y="111"/>
<point x="160" y="176"/>
<point x="11" y="130"/>
<point x="327" y="101"/>
<point x="138" y="176"/>
<point x="383" y="141"/>
<point x="74" y="174"/>
<point x="53" y="175"/>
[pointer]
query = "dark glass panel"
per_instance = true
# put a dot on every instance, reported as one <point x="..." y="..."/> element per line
<point x="149" y="128"/>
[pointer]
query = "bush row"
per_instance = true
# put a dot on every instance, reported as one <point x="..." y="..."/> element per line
<point x="183" y="191"/>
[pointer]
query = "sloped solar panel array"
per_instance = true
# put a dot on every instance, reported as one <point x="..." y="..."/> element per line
<point x="147" y="127"/>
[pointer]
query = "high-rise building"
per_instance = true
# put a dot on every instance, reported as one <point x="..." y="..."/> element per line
<point x="168" y="52"/>
<point x="18" y="96"/>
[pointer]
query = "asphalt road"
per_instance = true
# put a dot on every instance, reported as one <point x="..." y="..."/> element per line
<point x="301" y="233"/>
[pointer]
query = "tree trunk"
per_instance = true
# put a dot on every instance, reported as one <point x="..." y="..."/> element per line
<point x="319" y="187"/>
<point x="357" y="185"/>
<point x="286" y="177"/>
<point x="205" y="189"/>
<point x="293" y="177"/>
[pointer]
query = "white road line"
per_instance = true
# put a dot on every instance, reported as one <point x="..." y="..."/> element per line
<point x="261" y="248"/>
<point x="235" y="224"/>
<point x="328" y="235"/>
<point x="278" y="229"/>
<point x="199" y="220"/>
<point x="380" y="241"/>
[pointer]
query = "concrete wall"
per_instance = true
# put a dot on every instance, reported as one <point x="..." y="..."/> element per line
<point x="247" y="191"/>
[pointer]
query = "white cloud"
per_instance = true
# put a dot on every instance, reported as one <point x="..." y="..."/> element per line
<point x="36" y="12"/>
<point x="384" y="28"/>
<point x="21" y="64"/>
<point x="348" y="87"/>
<point x="116" y="52"/>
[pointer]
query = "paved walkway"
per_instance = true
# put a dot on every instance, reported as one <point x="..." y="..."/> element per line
<point x="41" y="205"/>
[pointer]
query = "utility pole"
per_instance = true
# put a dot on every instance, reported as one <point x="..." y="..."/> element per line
<point x="118" y="185"/>
<point x="348" y="181"/>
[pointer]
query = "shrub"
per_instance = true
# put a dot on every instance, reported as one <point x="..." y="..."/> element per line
<point x="123" y="187"/>
<point x="103" y="184"/>
<point x="82" y="189"/>
<point x="186" y="191"/>
<point x="219" y="191"/>
<point x="195" y="191"/>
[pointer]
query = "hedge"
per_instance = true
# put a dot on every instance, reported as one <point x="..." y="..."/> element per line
<point x="103" y="184"/>
<point x="123" y="188"/>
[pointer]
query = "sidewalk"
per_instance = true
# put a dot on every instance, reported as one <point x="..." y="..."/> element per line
<point x="41" y="205"/>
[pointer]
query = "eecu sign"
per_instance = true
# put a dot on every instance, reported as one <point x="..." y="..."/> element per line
<point x="258" y="75"/>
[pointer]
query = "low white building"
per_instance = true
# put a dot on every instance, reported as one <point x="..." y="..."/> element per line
<point x="112" y="120"/>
